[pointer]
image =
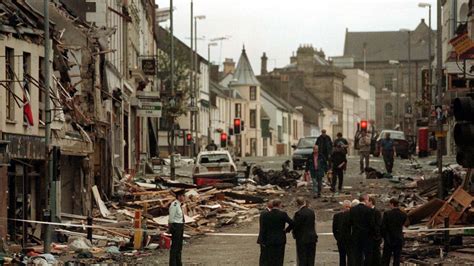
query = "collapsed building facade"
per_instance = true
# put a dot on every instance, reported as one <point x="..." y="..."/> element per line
<point x="102" y="85"/>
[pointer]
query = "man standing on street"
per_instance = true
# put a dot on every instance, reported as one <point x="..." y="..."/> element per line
<point x="341" y="141"/>
<point x="342" y="233"/>
<point x="316" y="165"/>
<point x="325" y="144"/>
<point x="392" y="232"/>
<point x="364" y="151"/>
<point x="362" y="224"/>
<point x="263" y="248"/>
<point x="176" y="228"/>
<point x="274" y="233"/>
<point x="387" y="149"/>
<point x="211" y="146"/>
<point x="304" y="232"/>
<point x="376" y="237"/>
<point x="339" y="164"/>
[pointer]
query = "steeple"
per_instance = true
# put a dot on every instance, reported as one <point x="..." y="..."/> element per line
<point x="244" y="75"/>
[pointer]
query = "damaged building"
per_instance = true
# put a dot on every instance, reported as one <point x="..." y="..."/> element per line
<point x="103" y="84"/>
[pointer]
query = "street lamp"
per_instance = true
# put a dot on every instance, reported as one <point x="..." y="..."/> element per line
<point x="195" y="89"/>
<point x="397" y="63"/>
<point x="209" y="132"/>
<point x="220" y="39"/>
<point x="409" y="71"/>
<point x="427" y="5"/>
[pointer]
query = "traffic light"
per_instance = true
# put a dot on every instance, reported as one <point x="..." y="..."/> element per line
<point x="189" y="138"/>
<point x="363" y="125"/>
<point x="237" y="124"/>
<point x="223" y="140"/>
<point x="463" y="109"/>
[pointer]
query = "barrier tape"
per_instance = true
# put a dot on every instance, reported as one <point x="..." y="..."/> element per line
<point x="84" y="226"/>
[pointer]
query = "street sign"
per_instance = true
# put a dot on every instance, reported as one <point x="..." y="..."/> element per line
<point x="462" y="44"/>
<point x="193" y="108"/>
<point x="440" y="134"/>
<point x="439" y="112"/>
<point x="149" y="109"/>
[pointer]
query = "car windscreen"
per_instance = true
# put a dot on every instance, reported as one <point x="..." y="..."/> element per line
<point x="394" y="134"/>
<point x="306" y="143"/>
<point x="214" y="158"/>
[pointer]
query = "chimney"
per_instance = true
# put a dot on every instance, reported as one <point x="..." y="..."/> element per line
<point x="263" y="70"/>
<point x="214" y="73"/>
<point x="293" y="59"/>
<point x="229" y="66"/>
<point x="423" y="21"/>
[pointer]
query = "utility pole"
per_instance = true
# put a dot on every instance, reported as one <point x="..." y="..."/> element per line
<point x="439" y="79"/>
<point x="172" y="165"/>
<point x="191" y="80"/>
<point x="409" y="83"/>
<point x="50" y="213"/>
<point x="196" y="66"/>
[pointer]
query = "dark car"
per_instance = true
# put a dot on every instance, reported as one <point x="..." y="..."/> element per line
<point x="303" y="150"/>
<point x="402" y="146"/>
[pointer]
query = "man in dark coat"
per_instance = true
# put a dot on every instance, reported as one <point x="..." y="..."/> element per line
<point x="342" y="233"/>
<point x="339" y="164"/>
<point x="316" y="166"/>
<point x="325" y="144"/>
<point x="376" y="237"/>
<point x="304" y="233"/>
<point x="392" y="232"/>
<point x="263" y="248"/>
<point x="273" y="234"/>
<point x="387" y="149"/>
<point x="362" y="223"/>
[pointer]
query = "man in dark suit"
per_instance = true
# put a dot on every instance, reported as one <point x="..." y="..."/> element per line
<point x="263" y="248"/>
<point x="362" y="224"/>
<point x="273" y="234"/>
<point x="304" y="232"/>
<point x="342" y="233"/>
<point x="392" y="232"/>
<point x="376" y="237"/>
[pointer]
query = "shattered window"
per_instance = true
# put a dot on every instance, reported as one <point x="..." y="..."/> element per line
<point x="41" y="94"/>
<point x="9" y="74"/>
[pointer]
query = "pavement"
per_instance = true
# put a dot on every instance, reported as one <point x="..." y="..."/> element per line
<point x="243" y="250"/>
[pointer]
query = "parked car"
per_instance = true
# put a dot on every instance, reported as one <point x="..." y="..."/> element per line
<point x="303" y="150"/>
<point x="401" y="143"/>
<point x="213" y="167"/>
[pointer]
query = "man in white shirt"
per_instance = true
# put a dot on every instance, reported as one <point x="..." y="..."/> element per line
<point x="176" y="228"/>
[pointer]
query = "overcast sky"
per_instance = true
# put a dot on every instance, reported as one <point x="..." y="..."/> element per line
<point x="278" y="27"/>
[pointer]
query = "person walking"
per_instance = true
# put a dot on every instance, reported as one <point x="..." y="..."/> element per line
<point x="376" y="237"/>
<point x="341" y="141"/>
<point x="362" y="224"/>
<point x="176" y="228"/>
<point x="387" y="149"/>
<point x="273" y="233"/>
<point x="316" y="166"/>
<point x="263" y="248"/>
<point x="364" y="151"/>
<point x="392" y="232"/>
<point x="324" y="143"/>
<point x="342" y="233"/>
<point x="339" y="164"/>
<point x="304" y="232"/>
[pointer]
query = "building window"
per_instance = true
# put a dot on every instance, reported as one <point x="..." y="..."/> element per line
<point x="238" y="110"/>
<point x="41" y="92"/>
<point x="285" y="125"/>
<point x="388" y="109"/>
<point x="253" y="118"/>
<point x="388" y="81"/>
<point x="26" y="86"/>
<point x="253" y="93"/>
<point x="280" y="134"/>
<point x="10" y="84"/>
<point x="295" y="129"/>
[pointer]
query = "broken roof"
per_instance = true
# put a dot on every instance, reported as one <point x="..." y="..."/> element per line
<point x="19" y="18"/>
<point x="243" y="74"/>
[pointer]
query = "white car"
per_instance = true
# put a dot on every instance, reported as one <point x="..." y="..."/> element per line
<point x="214" y="167"/>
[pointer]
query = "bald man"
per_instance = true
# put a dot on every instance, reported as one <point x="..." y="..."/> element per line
<point x="362" y="224"/>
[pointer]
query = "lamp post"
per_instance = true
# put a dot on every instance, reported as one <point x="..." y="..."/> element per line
<point x="409" y="77"/>
<point x="439" y="101"/>
<point x="397" y="111"/>
<point x="195" y="89"/>
<point x="172" y="164"/>
<point x="209" y="138"/>
<point x="427" y="5"/>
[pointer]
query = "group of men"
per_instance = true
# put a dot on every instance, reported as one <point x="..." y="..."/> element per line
<point x="327" y="156"/>
<point x="275" y="224"/>
<point x="360" y="228"/>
